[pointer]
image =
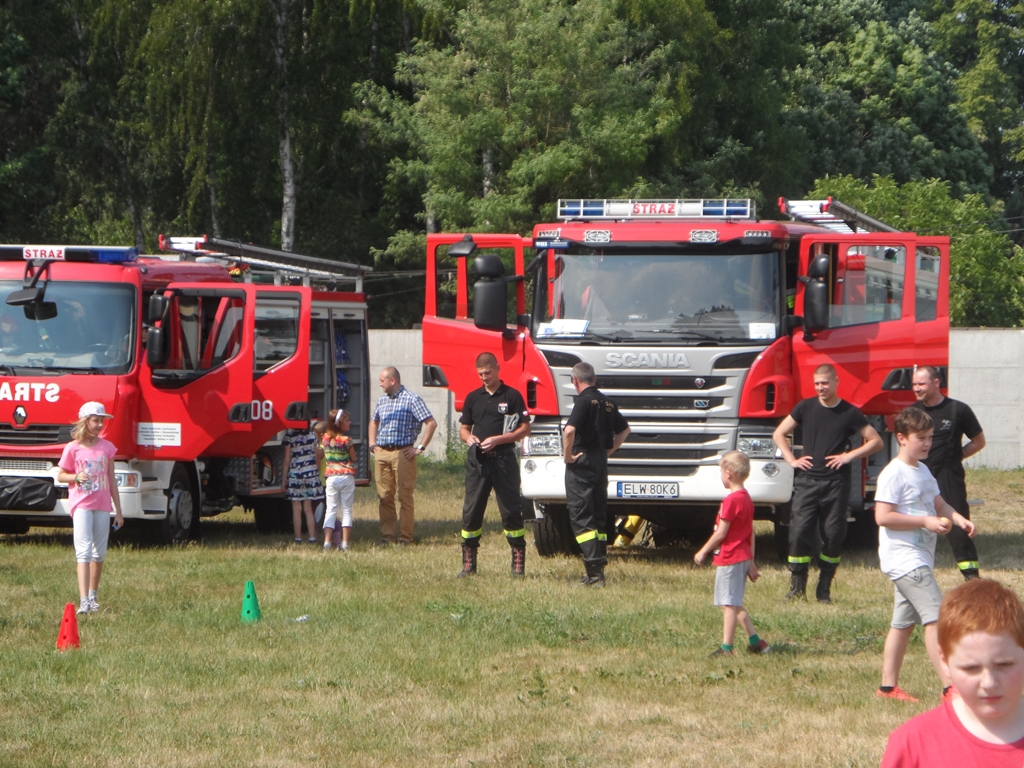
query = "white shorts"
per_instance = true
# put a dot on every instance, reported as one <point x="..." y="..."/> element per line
<point x="92" y="530"/>
<point x="341" y="493"/>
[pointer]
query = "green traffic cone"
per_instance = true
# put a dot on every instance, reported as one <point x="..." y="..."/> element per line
<point x="250" y="604"/>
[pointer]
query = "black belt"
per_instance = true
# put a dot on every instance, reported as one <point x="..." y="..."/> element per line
<point x="393" y="447"/>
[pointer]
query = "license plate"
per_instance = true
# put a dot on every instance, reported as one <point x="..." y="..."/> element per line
<point x="647" y="490"/>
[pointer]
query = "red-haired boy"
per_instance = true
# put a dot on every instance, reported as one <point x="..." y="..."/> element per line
<point x="981" y="640"/>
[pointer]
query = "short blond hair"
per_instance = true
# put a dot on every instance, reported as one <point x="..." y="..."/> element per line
<point x="737" y="463"/>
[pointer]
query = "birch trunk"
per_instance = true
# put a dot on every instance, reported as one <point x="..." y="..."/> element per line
<point x="288" y="180"/>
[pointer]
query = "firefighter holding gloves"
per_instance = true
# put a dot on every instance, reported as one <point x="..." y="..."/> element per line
<point x="494" y="418"/>
<point x="821" y="489"/>
<point x="594" y="431"/>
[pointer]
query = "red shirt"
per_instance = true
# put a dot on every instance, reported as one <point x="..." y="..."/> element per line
<point x="938" y="738"/>
<point x="738" y="510"/>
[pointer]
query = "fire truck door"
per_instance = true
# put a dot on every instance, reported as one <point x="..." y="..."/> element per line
<point x="871" y="316"/>
<point x="197" y="401"/>
<point x="281" y="361"/>
<point x="451" y="340"/>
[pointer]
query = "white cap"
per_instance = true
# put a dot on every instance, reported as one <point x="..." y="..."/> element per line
<point x="94" y="409"/>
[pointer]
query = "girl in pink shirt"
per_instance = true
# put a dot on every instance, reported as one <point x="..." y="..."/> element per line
<point x="87" y="466"/>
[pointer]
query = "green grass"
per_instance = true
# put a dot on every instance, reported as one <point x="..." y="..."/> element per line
<point x="401" y="663"/>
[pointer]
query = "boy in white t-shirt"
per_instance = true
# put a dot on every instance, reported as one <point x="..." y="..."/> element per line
<point x="910" y="514"/>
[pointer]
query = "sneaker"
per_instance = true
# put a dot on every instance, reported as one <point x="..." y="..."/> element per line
<point x="311" y="540"/>
<point x="83" y="608"/>
<point x="328" y="547"/>
<point x="761" y="647"/>
<point x="722" y="652"/>
<point x="343" y="547"/>
<point x="94" y="607"/>
<point x="298" y="541"/>
<point x="404" y="543"/>
<point x="896" y="693"/>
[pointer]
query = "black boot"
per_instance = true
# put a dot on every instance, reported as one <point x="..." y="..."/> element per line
<point x="823" y="592"/>
<point x="595" y="573"/>
<point x="970" y="573"/>
<point x="468" y="561"/>
<point x="519" y="561"/>
<point x="797" y="585"/>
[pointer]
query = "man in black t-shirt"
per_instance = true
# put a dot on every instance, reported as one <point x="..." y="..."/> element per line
<point x="953" y="420"/>
<point x="821" y="487"/>
<point x="494" y="418"/>
<point x="594" y="431"/>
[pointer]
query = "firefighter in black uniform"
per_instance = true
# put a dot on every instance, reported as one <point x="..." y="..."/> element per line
<point x="594" y="431"/>
<point x="494" y="418"/>
<point x="953" y="420"/>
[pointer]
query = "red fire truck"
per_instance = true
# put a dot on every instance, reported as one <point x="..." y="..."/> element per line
<point x="204" y="356"/>
<point x="704" y="323"/>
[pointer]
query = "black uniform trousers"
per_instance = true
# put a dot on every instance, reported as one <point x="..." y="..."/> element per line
<point x="953" y="489"/>
<point x="502" y="475"/>
<point x="820" y="504"/>
<point x="586" y="495"/>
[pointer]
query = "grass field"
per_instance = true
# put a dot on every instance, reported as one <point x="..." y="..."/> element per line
<point x="399" y="663"/>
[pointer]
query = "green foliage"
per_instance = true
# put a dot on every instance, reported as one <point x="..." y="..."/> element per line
<point x="986" y="268"/>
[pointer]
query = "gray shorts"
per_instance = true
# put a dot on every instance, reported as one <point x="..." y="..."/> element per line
<point x="731" y="583"/>
<point x="917" y="599"/>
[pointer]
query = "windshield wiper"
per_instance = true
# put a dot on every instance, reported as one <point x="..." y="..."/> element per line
<point x="618" y="336"/>
<point x="72" y="369"/>
<point x="688" y="332"/>
<point x="8" y="369"/>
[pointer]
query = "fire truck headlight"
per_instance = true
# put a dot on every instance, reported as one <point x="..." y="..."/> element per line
<point x="771" y="469"/>
<point x="128" y="479"/>
<point x="757" y="446"/>
<point x="529" y="466"/>
<point x="542" y="445"/>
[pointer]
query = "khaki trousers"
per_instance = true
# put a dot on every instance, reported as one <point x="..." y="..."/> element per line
<point x="395" y="474"/>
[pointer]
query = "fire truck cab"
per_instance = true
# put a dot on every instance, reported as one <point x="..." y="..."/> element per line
<point x="204" y="357"/>
<point x="704" y="323"/>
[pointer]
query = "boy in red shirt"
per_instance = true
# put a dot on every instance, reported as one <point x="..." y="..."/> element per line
<point x="981" y="649"/>
<point x="734" y="533"/>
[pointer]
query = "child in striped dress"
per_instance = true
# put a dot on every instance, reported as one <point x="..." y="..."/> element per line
<point x="304" y="487"/>
<point x="341" y="477"/>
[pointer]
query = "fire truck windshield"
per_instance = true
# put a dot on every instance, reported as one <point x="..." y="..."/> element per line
<point x="672" y="298"/>
<point x="92" y="332"/>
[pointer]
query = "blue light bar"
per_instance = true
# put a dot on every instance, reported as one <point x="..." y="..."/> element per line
<point x="113" y="255"/>
<point x="624" y="210"/>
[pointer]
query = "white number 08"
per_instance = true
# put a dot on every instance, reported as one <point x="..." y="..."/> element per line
<point x="262" y="410"/>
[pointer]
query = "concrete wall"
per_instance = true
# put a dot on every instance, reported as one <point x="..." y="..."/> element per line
<point x="985" y="371"/>
<point x="404" y="350"/>
<point x="986" y="368"/>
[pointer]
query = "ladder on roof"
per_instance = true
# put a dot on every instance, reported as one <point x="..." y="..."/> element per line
<point x="323" y="274"/>
<point x="832" y="214"/>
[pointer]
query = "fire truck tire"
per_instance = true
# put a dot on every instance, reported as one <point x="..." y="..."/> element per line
<point x="272" y="515"/>
<point x="12" y="524"/>
<point x="552" y="535"/>
<point x="782" y="513"/>
<point x="182" y="521"/>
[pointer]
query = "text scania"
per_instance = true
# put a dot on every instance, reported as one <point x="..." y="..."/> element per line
<point x="30" y="392"/>
<point x="646" y="360"/>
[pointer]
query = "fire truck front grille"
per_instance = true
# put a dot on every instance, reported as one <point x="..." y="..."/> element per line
<point x="661" y="402"/>
<point x="652" y="450"/>
<point x="24" y="465"/>
<point x="37" y="434"/>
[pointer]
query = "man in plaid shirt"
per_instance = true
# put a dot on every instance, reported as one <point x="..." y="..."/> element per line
<point x="397" y="421"/>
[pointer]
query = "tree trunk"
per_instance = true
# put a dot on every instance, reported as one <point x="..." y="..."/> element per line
<point x="288" y="180"/>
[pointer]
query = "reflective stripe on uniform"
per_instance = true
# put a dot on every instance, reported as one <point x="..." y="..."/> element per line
<point x="586" y="536"/>
<point x="473" y="534"/>
<point x="799" y="559"/>
<point x="602" y="537"/>
<point x="968" y="565"/>
<point x="516" y="534"/>
<point x="833" y="560"/>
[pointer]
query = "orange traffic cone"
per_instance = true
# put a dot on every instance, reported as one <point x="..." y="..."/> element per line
<point x="68" y="635"/>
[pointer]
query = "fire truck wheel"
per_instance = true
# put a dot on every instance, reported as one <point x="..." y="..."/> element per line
<point x="12" y="524"/>
<point x="182" y="521"/>
<point x="552" y="535"/>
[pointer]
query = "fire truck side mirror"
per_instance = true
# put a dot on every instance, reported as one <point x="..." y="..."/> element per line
<point x="156" y="347"/>
<point x="157" y="308"/>
<point x="816" y="295"/>
<point x="490" y="297"/>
